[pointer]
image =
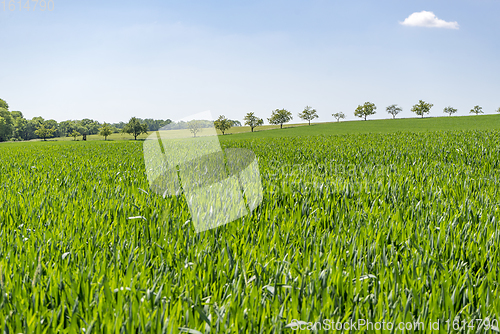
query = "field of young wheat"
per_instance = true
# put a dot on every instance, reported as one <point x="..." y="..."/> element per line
<point x="397" y="227"/>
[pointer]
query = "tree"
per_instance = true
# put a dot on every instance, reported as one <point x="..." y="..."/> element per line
<point x="223" y="124"/>
<point x="105" y="130"/>
<point x="235" y="123"/>
<point x="393" y="109"/>
<point x="498" y="110"/>
<point x="422" y="108"/>
<point x="66" y="128"/>
<point x="31" y="127"/>
<point x="51" y="123"/>
<point x="449" y="110"/>
<point x="339" y="116"/>
<point x="135" y="128"/>
<point x="280" y="116"/>
<point x="5" y="129"/>
<point x="75" y="134"/>
<point x="45" y="132"/>
<point x="119" y="125"/>
<point x="365" y="110"/>
<point x="308" y="114"/>
<point x="19" y="125"/>
<point x="6" y="124"/>
<point x="17" y="114"/>
<point x="83" y="130"/>
<point x="39" y="120"/>
<point x="477" y="110"/>
<point x="194" y="126"/>
<point x="4" y="105"/>
<point x="21" y="128"/>
<point x="87" y="127"/>
<point x="154" y="124"/>
<point x="252" y="121"/>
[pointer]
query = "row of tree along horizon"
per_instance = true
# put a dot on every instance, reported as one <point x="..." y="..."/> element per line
<point x="14" y="127"/>
<point x="282" y="116"/>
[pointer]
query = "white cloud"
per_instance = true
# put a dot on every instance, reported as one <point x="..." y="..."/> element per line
<point x="428" y="19"/>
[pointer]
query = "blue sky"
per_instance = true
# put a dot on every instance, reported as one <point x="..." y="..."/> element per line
<point x="167" y="59"/>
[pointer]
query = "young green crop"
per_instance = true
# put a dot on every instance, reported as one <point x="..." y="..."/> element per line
<point x="396" y="227"/>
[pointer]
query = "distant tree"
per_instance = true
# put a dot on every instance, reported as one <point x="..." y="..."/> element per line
<point x="235" y="123"/>
<point x="252" y="121"/>
<point x="39" y="120"/>
<point x="5" y="129"/>
<point x="52" y="124"/>
<point x="44" y="132"/>
<point x="75" y="134"/>
<point x="498" y="110"/>
<point x="422" y="108"/>
<point x="105" y="130"/>
<point x="83" y="130"/>
<point x="308" y="114"/>
<point x="194" y="126"/>
<point x="18" y="122"/>
<point x="155" y="124"/>
<point x="87" y="127"/>
<point x="477" y="110"/>
<point x="393" y="109"/>
<point x="6" y="124"/>
<point x="119" y="125"/>
<point x="365" y="110"/>
<point x="223" y="124"/>
<point x="449" y="110"/>
<point x="135" y="128"/>
<point x="280" y="116"/>
<point x="32" y="126"/>
<point x="66" y="128"/>
<point x="4" y="105"/>
<point x="339" y="116"/>
<point x="20" y="128"/>
<point x="17" y="114"/>
<point x="201" y="124"/>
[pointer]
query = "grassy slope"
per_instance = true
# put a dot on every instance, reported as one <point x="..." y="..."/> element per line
<point x="482" y="122"/>
<point x="422" y="229"/>
<point x="124" y="136"/>
<point x="409" y="235"/>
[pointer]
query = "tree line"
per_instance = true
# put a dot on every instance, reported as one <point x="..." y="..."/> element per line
<point x="282" y="116"/>
<point x="421" y="109"/>
<point x="278" y="117"/>
<point x="14" y="127"/>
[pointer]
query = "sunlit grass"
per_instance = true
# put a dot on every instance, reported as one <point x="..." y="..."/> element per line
<point x="394" y="227"/>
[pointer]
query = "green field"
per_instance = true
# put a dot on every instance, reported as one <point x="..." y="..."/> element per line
<point x="357" y="222"/>
<point x="482" y="122"/>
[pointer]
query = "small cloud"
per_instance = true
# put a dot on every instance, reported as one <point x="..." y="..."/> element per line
<point x="427" y="19"/>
